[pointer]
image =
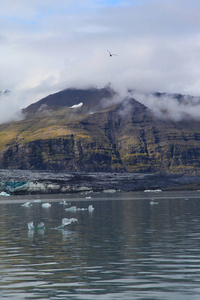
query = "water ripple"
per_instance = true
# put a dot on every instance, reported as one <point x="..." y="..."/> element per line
<point x="125" y="250"/>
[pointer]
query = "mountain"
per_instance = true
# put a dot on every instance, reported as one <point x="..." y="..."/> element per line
<point x="96" y="130"/>
<point x="89" y="97"/>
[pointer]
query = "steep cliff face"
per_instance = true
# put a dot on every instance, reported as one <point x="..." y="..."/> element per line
<point x="122" y="136"/>
<point x="68" y="153"/>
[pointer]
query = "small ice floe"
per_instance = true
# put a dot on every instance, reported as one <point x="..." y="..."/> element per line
<point x="74" y="208"/>
<point x="88" y="197"/>
<point x="90" y="208"/>
<point x="46" y="205"/>
<point x="77" y="105"/>
<point x="30" y="226"/>
<point x="66" y="222"/>
<point x="38" y="227"/>
<point x="27" y="204"/>
<point x="4" y="194"/>
<point x="152" y="202"/>
<point x="37" y="201"/>
<point x="63" y="202"/>
<point x="109" y="191"/>
<point x="153" y="191"/>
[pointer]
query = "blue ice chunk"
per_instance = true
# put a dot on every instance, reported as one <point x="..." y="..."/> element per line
<point x="4" y="194"/>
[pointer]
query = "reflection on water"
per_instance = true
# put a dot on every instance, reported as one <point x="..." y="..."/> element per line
<point x="125" y="249"/>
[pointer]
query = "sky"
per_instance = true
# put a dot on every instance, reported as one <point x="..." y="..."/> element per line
<point x="47" y="46"/>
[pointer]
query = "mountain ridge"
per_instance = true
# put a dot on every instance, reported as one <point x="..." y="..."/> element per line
<point x="72" y="96"/>
<point x="108" y="133"/>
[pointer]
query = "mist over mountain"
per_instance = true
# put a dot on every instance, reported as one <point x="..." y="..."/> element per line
<point x="99" y="129"/>
<point x="167" y="106"/>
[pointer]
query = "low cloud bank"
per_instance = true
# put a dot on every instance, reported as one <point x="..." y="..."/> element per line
<point x="9" y="111"/>
<point x="174" y="107"/>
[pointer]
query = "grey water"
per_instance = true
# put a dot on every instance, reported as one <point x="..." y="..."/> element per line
<point x="126" y="248"/>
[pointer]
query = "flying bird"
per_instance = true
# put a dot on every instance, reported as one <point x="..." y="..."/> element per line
<point x="111" y="54"/>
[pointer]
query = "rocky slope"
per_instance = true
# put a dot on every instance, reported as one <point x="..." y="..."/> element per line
<point x="94" y="131"/>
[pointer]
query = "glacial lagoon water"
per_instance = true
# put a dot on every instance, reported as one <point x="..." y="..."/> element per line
<point x="128" y="247"/>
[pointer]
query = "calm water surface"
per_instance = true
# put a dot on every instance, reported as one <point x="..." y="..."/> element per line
<point x="126" y="248"/>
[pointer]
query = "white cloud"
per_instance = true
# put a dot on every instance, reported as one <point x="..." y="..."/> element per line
<point x="46" y="46"/>
<point x="169" y="107"/>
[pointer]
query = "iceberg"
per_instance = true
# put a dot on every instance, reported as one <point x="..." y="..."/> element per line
<point x="4" y="194"/>
<point x="152" y="202"/>
<point x="27" y="204"/>
<point x="90" y="208"/>
<point x="37" y="201"/>
<point x="46" y="205"/>
<point x="152" y="191"/>
<point x="40" y="225"/>
<point x="109" y="191"/>
<point x="15" y="186"/>
<point x="63" y="202"/>
<point x="72" y="208"/>
<point x="66" y="222"/>
<point x="32" y="227"/>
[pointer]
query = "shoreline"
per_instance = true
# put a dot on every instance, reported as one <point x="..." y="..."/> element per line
<point x="100" y="196"/>
<point x="26" y="182"/>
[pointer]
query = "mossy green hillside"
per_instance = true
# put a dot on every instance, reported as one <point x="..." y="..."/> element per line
<point x="110" y="139"/>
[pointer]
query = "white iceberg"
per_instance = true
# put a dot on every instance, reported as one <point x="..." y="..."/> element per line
<point x="32" y="227"/>
<point x="46" y="205"/>
<point x="152" y="202"/>
<point x="27" y="204"/>
<point x="72" y="208"/>
<point x="63" y="202"/>
<point x="66" y="222"/>
<point x="90" y="208"/>
<point x="109" y="191"/>
<point x="152" y="191"/>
